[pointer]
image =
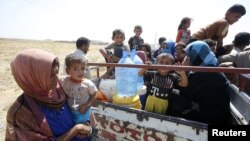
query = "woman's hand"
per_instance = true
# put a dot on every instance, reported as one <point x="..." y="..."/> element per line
<point x="184" y="80"/>
<point x="180" y="72"/>
<point x="79" y="130"/>
<point x="82" y="129"/>
<point x="186" y="61"/>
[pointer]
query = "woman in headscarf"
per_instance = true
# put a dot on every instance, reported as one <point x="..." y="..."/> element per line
<point x="210" y="90"/>
<point x="41" y="111"/>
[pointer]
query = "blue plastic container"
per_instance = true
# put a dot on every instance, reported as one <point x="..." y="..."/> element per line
<point x="140" y="81"/>
<point x="126" y="78"/>
<point x="137" y="60"/>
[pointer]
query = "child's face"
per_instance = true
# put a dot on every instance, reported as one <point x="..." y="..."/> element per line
<point x="118" y="39"/>
<point x="187" y="24"/>
<point x="85" y="48"/>
<point x="178" y="49"/>
<point x="144" y="49"/>
<point x="232" y="17"/>
<point x="77" y="71"/>
<point x="180" y="54"/>
<point x="137" y="32"/>
<point x="164" y="45"/>
<point x="164" y="61"/>
<point x="161" y="44"/>
<point x="213" y="48"/>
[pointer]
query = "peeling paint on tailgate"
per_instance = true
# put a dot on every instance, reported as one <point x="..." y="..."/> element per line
<point x="118" y="123"/>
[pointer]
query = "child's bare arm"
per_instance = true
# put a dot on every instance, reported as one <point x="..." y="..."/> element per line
<point x="108" y="56"/>
<point x="184" y="80"/>
<point x="143" y="70"/>
<point x="115" y="58"/>
<point x="91" y="100"/>
<point x="227" y="64"/>
<point x="84" y="107"/>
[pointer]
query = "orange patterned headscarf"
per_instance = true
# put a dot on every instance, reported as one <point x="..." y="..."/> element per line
<point x="31" y="69"/>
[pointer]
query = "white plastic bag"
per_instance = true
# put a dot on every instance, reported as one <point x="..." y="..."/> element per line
<point x="108" y="87"/>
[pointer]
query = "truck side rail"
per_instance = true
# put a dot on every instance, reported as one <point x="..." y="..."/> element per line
<point x="240" y="100"/>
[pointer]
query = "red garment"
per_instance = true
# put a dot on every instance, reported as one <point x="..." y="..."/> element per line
<point x="183" y="36"/>
<point x="24" y="125"/>
<point x="142" y="56"/>
<point x="32" y="69"/>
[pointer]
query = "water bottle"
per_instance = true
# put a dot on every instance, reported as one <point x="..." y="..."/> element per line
<point x="126" y="78"/>
<point x="137" y="60"/>
<point x="141" y="88"/>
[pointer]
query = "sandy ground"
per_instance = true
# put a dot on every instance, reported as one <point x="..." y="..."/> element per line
<point x="9" y="90"/>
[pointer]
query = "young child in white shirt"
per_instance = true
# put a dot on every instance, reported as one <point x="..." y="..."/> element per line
<point x="80" y="91"/>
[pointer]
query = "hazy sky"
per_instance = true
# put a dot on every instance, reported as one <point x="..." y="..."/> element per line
<point x="96" y="19"/>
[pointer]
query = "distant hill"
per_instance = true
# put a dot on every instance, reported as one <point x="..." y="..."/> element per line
<point x="95" y="42"/>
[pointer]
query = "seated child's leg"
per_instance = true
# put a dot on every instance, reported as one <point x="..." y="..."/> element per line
<point x="109" y="74"/>
<point x="161" y="106"/>
<point x="156" y="105"/>
<point x="150" y="104"/>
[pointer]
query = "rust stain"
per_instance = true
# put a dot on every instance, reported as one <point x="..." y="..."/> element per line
<point x="117" y="121"/>
<point x="141" y="117"/>
<point x="126" y="123"/>
<point x="107" y="135"/>
<point x="197" y="130"/>
<point x="101" y="119"/>
<point x="122" y="129"/>
<point x="170" y="137"/>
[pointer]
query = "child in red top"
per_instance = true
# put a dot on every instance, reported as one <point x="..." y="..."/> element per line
<point x="184" y="33"/>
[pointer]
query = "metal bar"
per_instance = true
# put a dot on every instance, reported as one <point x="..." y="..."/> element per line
<point x="246" y="76"/>
<point x="98" y="72"/>
<point x="238" y="115"/>
<point x="172" y="67"/>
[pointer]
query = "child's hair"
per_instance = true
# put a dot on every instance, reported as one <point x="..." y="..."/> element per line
<point x="148" y="48"/>
<point x="242" y="39"/>
<point x="117" y="32"/>
<point x="210" y="42"/>
<point x="138" y="27"/>
<point x="183" y="22"/>
<point x="165" y="55"/>
<point x="181" y="44"/>
<point x="82" y="41"/>
<point x="73" y="58"/>
<point x="55" y="62"/>
<point x="237" y="8"/>
<point x="161" y="40"/>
